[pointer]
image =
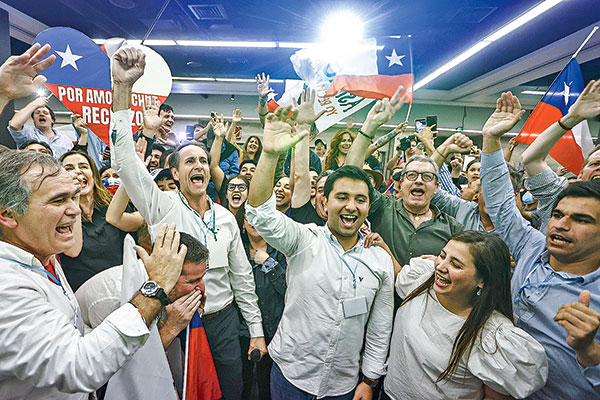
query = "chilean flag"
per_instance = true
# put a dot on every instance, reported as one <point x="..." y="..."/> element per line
<point x="572" y="148"/>
<point x="393" y="68"/>
<point x="200" y="376"/>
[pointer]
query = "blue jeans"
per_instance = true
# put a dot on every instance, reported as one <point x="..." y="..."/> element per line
<point x="282" y="389"/>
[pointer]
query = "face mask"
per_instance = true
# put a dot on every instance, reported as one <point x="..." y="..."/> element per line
<point x="111" y="184"/>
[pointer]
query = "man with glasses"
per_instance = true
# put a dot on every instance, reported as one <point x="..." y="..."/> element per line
<point x="411" y="226"/>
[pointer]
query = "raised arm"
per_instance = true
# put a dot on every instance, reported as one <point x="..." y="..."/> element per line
<point x="81" y="128"/>
<point x="379" y="114"/>
<point x="510" y="148"/>
<point x="116" y="215"/>
<point x="236" y="118"/>
<point x="262" y="87"/>
<point x="17" y="122"/>
<point x="20" y="75"/>
<point x="587" y="106"/>
<point x="306" y="117"/>
<point x="457" y="143"/>
<point x="219" y="128"/>
<point x="385" y="139"/>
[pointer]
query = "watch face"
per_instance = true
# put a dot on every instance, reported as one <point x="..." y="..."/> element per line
<point x="149" y="288"/>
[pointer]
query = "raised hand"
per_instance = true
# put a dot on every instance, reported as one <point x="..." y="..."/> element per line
<point x="165" y="264"/>
<point x="581" y="323"/>
<point x="79" y="124"/>
<point x="306" y="109"/>
<point x="508" y="112"/>
<point x="19" y="74"/>
<point x="401" y="127"/>
<point x="457" y="164"/>
<point x="349" y="123"/>
<point x="512" y="143"/>
<point x="236" y="117"/>
<point x="262" y="85"/>
<point x="128" y="66"/>
<point x="280" y="134"/>
<point x="219" y="126"/>
<point x="383" y="111"/>
<point x="587" y="105"/>
<point x="426" y="134"/>
<point x="457" y="143"/>
<point x="140" y="149"/>
<point x="151" y="119"/>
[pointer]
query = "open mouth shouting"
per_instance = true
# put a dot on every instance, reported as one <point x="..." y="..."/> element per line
<point x="559" y="240"/>
<point x="348" y="221"/>
<point x="197" y="179"/>
<point x="418" y="193"/>
<point x="65" y="230"/>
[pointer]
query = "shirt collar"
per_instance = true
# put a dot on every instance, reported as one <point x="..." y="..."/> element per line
<point x="13" y="252"/>
<point x="591" y="277"/>
<point x="332" y="239"/>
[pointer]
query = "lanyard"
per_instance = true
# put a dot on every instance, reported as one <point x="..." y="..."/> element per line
<point x="34" y="268"/>
<point x="198" y="217"/>
<point x="341" y="257"/>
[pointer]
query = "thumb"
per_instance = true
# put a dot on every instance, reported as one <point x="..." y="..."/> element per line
<point x="144" y="254"/>
<point x="584" y="298"/>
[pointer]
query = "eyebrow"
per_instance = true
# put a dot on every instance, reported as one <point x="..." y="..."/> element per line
<point x="65" y="194"/>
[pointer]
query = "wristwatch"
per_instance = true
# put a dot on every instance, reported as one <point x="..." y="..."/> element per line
<point x="371" y="382"/>
<point x="151" y="289"/>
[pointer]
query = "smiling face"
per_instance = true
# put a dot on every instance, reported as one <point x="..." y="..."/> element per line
<point x="347" y="207"/>
<point x="252" y="145"/>
<point x="77" y="164"/>
<point x="320" y="149"/>
<point x="320" y="199"/>
<point x="574" y="230"/>
<point x="42" y="119"/>
<point x="283" y="194"/>
<point x="473" y="172"/>
<point x="47" y="226"/>
<point x="154" y="159"/>
<point x="591" y="170"/>
<point x="191" y="278"/>
<point x="345" y="144"/>
<point x="237" y="193"/>
<point x="193" y="172"/>
<point x="313" y="184"/>
<point x="456" y="279"/>
<point x="417" y="194"/>
<point x="248" y="170"/>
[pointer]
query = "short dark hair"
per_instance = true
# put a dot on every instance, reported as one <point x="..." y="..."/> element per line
<point x="248" y="161"/>
<point x="52" y="115"/>
<point x="473" y="161"/>
<point x="163" y="157"/>
<point x="348" y="171"/>
<point x="174" y="160"/>
<point x="156" y="146"/>
<point x="165" y="107"/>
<point x="587" y="189"/>
<point x="320" y="141"/>
<point x="101" y="170"/>
<point x="33" y="141"/>
<point x="197" y="253"/>
<point x="324" y="174"/>
<point x="587" y="159"/>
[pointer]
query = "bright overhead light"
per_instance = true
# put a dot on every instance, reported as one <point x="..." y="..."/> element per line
<point x="235" y="80"/>
<point x="191" y="78"/>
<point x="342" y="28"/>
<point x="225" y="43"/>
<point x="295" y="45"/>
<point x="534" y="92"/>
<point x="477" y="47"/>
<point x="159" y="42"/>
<point x="210" y="79"/>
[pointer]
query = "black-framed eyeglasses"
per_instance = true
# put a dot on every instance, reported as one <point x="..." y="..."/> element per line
<point x="425" y="176"/>
<point x="239" y="186"/>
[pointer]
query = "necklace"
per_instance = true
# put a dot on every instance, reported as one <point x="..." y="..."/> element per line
<point x="417" y="216"/>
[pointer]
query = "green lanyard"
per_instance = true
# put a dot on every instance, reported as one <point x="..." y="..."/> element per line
<point x="198" y="217"/>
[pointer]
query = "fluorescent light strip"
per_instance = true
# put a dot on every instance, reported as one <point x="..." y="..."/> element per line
<point x="219" y="43"/>
<point x="534" y="92"/>
<point x="477" y="47"/>
<point x="208" y="79"/>
<point x="159" y="42"/>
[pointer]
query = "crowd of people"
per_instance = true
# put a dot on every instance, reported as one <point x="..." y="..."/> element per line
<point x="314" y="277"/>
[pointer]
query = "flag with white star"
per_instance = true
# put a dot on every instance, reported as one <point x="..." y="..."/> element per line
<point x="394" y="68"/>
<point x="572" y="148"/>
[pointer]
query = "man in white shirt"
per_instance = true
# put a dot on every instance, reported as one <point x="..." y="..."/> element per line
<point x="337" y="288"/>
<point x="229" y="276"/>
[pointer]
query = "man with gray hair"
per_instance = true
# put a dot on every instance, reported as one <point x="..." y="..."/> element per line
<point x="411" y="226"/>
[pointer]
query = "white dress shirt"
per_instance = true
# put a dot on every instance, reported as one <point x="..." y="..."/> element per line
<point x="43" y="353"/>
<point x="229" y="273"/>
<point x="504" y="357"/>
<point x="316" y="348"/>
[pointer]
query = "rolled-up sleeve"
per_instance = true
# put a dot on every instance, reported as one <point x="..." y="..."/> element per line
<point x="379" y="326"/>
<point x="40" y="345"/>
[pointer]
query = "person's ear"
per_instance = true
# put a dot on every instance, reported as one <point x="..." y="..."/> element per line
<point x="7" y="219"/>
<point x="175" y="174"/>
<point x="325" y="203"/>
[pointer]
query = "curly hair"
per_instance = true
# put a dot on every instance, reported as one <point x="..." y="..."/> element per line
<point x="334" y="148"/>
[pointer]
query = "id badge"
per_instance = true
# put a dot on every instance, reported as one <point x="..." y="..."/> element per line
<point x="355" y="306"/>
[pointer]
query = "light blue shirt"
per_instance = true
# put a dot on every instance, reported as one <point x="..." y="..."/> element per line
<point x="60" y="144"/>
<point x="538" y="290"/>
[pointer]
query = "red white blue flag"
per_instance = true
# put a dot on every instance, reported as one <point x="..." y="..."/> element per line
<point x="393" y="58"/>
<point x="572" y="148"/>
<point x="200" y="376"/>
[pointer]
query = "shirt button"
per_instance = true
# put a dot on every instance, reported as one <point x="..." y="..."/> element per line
<point x="337" y="323"/>
<point x="332" y="344"/>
